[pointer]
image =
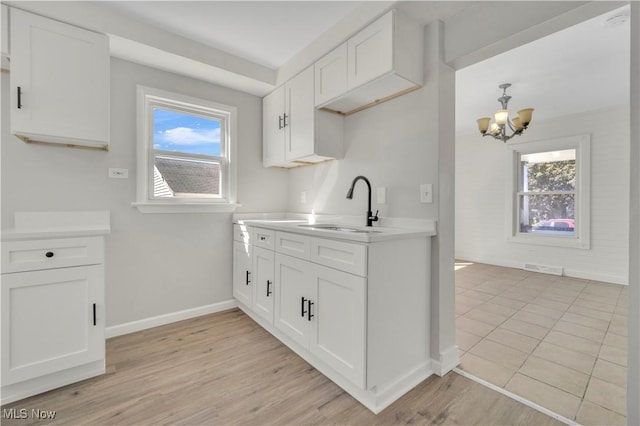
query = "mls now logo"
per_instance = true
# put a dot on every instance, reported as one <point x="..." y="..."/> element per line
<point x="23" y="413"/>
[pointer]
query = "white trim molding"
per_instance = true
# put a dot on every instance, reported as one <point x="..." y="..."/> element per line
<point x="143" y="324"/>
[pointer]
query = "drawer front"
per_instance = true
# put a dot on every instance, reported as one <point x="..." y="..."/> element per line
<point x="293" y="244"/>
<point x="264" y="238"/>
<point x="340" y="255"/>
<point x="32" y="255"/>
<point x="242" y="233"/>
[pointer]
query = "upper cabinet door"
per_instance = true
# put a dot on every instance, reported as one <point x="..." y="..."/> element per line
<point x="59" y="82"/>
<point x="331" y="75"/>
<point x="273" y="128"/>
<point x="370" y="52"/>
<point x="300" y="119"/>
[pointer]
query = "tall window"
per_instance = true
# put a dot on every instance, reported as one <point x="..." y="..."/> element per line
<point x="185" y="153"/>
<point x="549" y="192"/>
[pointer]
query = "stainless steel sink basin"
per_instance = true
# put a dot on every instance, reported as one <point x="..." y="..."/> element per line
<point x="333" y="227"/>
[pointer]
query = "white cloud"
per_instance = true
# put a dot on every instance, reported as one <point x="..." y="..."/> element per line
<point x="187" y="136"/>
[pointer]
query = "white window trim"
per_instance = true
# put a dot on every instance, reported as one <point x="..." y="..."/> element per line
<point x="582" y="235"/>
<point x="145" y="203"/>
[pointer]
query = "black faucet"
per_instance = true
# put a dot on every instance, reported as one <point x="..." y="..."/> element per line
<point x="370" y="217"/>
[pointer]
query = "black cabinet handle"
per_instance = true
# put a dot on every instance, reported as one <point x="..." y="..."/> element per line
<point x="262" y="238"/>
<point x="284" y="121"/>
<point x="302" y="311"/>
<point x="309" y="314"/>
<point x="19" y="97"/>
<point x="94" y="314"/>
<point x="49" y="254"/>
<point x="280" y="126"/>
<point x="269" y="292"/>
<point x="248" y="281"/>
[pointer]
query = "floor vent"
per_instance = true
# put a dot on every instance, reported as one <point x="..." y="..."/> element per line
<point x="545" y="269"/>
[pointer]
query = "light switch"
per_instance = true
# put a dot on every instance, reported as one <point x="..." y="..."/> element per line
<point x="119" y="173"/>
<point x="381" y="195"/>
<point x="426" y="193"/>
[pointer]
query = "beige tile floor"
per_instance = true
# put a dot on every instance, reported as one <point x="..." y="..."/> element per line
<point x="557" y="341"/>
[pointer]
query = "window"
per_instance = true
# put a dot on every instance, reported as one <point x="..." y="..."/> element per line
<point x="186" y="153"/>
<point x="548" y="192"/>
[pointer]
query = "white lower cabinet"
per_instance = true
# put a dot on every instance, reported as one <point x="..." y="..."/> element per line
<point x="264" y="283"/>
<point x="242" y="288"/>
<point x="50" y="321"/>
<point x="358" y="312"/>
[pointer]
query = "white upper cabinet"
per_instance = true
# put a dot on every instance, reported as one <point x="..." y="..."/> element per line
<point x="294" y="131"/>
<point x="59" y="82"/>
<point x="383" y="61"/>
<point x="331" y="75"/>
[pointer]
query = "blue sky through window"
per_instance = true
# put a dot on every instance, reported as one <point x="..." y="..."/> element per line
<point x="181" y="132"/>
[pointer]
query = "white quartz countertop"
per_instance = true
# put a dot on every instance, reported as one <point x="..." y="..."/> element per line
<point x="346" y="229"/>
<point x="45" y="225"/>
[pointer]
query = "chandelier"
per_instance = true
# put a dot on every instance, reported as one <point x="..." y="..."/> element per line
<point x="498" y="129"/>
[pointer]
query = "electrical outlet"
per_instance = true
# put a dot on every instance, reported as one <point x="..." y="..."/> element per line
<point x="426" y="193"/>
<point x="119" y="173"/>
<point x="381" y="195"/>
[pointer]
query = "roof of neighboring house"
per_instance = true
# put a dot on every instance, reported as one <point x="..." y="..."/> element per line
<point x="187" y="176"/>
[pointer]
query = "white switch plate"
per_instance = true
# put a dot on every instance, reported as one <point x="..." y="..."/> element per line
<point x="426" y="193"/>
<point x="381" y="195"/>
<point x="303" y="197"/>
<point x="119" y="173"/>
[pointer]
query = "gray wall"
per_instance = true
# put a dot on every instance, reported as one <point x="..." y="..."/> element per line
<point x="156" y="263"/>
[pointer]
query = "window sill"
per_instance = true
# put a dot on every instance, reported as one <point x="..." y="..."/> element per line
<point x="186" y="207"/>
<point x="550" y="241"/>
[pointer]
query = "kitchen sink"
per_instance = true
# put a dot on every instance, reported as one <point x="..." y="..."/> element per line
<point x="333" y="227"/>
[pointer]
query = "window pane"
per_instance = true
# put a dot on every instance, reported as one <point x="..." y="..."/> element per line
<point x="178" y="177"/>
<point x="547" y="214"/>
<point x="548" y="171"/>
<point x="182" y="132"/>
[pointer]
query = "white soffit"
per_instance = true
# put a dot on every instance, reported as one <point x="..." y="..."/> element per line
<point x="151" y="56"/>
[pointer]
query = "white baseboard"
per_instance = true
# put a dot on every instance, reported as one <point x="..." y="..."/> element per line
<point x="143" y="324"/>
<point x="568" y="272"/>
<point x="449" y="359"/>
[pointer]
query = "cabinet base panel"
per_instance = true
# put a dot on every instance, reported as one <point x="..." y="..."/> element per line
<point x="375" y="398"/>
<point x="21" y="390"/>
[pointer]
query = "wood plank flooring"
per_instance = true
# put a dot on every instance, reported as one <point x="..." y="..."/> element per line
<point x="223" y="369"/>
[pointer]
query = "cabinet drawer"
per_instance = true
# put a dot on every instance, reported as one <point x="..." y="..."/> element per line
<point x="264" y="238"/>
<point x="293" y="244"/>
<point x="33" y="255"/>
<point x="340" y="255"/>
<point x="242" y="233"/>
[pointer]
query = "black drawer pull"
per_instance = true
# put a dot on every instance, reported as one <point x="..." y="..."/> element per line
<point x="269" y="292"/>
<point x="49" y="254"/>
<point x="19" y="97"/>
<point x="94" y="314"/>
<point x="302" y="311"/>
<point x="248" y="281"/>
<point x="309" y="314"/>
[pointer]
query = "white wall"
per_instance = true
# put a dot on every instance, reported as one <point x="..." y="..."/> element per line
<point x="156" y="263"/>
<point x="481" y="198"/>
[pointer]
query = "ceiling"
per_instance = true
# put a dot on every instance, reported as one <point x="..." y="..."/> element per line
<point x="265" y="32"/>
<point x="582" y="68"/>
<point x="579" y="69"/>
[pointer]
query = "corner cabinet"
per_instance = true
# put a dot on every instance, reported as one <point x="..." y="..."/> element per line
<point x="294" y="132"/>
<point x="59" y="82"/>
<point x="358" y="312"/>
<point x="53" y="314"/>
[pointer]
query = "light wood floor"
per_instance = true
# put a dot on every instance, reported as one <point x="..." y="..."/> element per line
<point x="224" y="369"/>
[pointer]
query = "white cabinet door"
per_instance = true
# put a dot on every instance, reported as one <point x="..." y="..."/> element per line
<point x="294" y="289"/>
<point x="331" y="75"/>
<point x="370" y="52"/>
<point x="59" y="82"/>
<point x="242" y="288"/>
<point x="300" y="119"/>
<point x="273" y="134"/>
<point x="338" y="338"/>
<point x="51" y="320"/>
<point x="264" y="283"/>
